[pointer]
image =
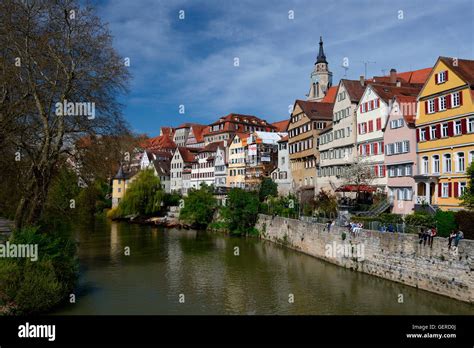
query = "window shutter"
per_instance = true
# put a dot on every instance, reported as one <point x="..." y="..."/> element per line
<point x="446" y="74"/>
<point x="360" y="107"/>
<point x="456" y="189"/>
<point x="371" y="126"/>
<point x="358" y="128"/>
<point x="367" y="149"/>
<point x="464" y="126"/>
<point x="436" y="105"/>
<point x="384" y="170"/>
<point x="426" y="106"/>
<point x="427" y="133"/>
<point x="418" y="135"/>
<point x="438" y="131"/>
<point x="376" y="170"/>
<point x="460" y="97"/>
<point x="376" y="148"/>
<point x="448" y="101"/>
<point x="382" y="146"/>
<point x="440" y="190"/>
<point x="449" y="189"/>
<point x="436" y="78"/>
<point x="450" y="129"/>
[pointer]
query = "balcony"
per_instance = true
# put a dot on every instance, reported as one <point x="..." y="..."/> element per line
<point x="422" y="200"/>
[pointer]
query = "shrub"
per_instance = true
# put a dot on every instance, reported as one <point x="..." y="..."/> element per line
<point x="445" y="222"/>
<point x="465" y="221"/>
<point x="420" y="219"/>
<point x="241" y="211"/>
<point x="36" y="286"/>
<point x="199" y="207"/>
<point x="326" y="203"/>
<point x="267" y="188"/>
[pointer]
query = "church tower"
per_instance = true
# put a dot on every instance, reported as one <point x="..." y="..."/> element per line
<point x="321" y="77"/>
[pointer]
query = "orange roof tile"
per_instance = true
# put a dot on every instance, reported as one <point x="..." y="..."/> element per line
<point x="281" y="126"/>
<point x="330" y="96"/>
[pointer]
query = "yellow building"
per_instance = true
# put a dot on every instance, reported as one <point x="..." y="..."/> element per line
<point x="445" y="133"/>
<point x="236" y="161"/>
<point x="120" y="183"/>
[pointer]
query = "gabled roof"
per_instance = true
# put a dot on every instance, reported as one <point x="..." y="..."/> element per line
<point x="281" y="126"/>
<point x="330" y="96"/>
<point x="161" y="142"/>
<point x="283" y="139"/>
<point x="198" y="132"/>
<point x="212" y="147"/>
<point x="316" y="110"/>
<point x="123" y="175"/>
<point x="387" y="92"/>
<point x="463" y="68"/>
<point x="162" y="167"/>
<point x="354" y="89"/>
<point x="231" y="119"/>
<point x="188" y="153"/>
<point x="409" y="111"/>
<point x="242" y="135"/>
<point x="408" y="77"/>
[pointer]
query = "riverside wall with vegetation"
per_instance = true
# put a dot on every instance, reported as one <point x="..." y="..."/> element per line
<point x="394" y="256"/>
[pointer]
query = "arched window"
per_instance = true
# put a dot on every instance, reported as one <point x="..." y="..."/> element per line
<point x="435" y="164"/>
<point x="460" y="163"/>
<point x="424" y="165"/>
<point x="447" y="166"/>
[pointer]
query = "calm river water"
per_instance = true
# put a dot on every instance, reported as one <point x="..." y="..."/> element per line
<point x="165" y="264"/>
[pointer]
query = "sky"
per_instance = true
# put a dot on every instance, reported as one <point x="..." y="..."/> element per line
<point x="190" y="61"/>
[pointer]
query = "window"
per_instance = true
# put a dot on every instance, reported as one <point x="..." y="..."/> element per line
<point x="422" y="134"/>
<point x="393" y="124"/>
<point x="445" y="190"/>
<point x="444" y="130"/>
<point x="432" y="132"/>
<point x="442" y="103"/>
<point x="400" y="171"/>
<point x="447" y="163"/>
<point x="408" y="170"/>
<point x="391" y="172"/>
<point x="424" y="165"/>
<point x="455" y="100"/>
<point x="471" y="157"/>
<point x="406" y="146"/>
<point x="470" y="125"/>
<point x="441" y="77"/>
<point x="378" y="123"/>
<point x="460" y="164"/>
<point x="457" y="127"/>
<point x="431" y="106"/>
<point x="435" y="166"/>
<point x="461" y="188"/>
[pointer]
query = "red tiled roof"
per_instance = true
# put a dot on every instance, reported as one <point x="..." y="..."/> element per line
<point x="408" y="77"/>
<point x="464" y="68"/>
<point x="167" y="131"/>
<point x="387" y="92"/>
<point x="187" y="153"/>
<point x="212" y="147"/>
<point x="160" y="142"/>
<point x="283" y="139"/>
<point x="355" y="188"/>
<point x="316" y="110"/>
<point x="330" y="96"/>
<point x="198" y="132"/>
<point x="354" y="89"/>
<point x="232" y="119"/>
<point x="281" y="126"/>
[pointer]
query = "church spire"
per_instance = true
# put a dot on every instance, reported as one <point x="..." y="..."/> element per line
<point x="321" y="57"/>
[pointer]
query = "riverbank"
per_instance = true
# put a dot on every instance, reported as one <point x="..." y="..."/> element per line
<point x="393" y="256"/>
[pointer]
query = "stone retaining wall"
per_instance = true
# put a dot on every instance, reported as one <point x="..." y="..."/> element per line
<point x="394" y="256"/>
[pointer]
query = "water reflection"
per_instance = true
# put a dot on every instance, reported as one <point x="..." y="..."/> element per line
<point x="203" y="267"/>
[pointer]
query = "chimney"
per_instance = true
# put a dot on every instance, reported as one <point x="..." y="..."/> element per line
<point x="362" y="80"/>
<point x="393" y="75"/>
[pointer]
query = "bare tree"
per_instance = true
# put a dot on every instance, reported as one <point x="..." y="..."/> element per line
<point x="60" y="77"/>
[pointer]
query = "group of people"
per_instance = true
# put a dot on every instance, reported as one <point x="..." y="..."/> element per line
<point x="456" y="236"/>
<point x="389" y="228"/>
<point x="329" y="225"/>
<point x="355" y="227"/>
<point x="427" y="235"/>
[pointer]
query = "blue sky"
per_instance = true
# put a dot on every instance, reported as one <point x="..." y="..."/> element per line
<point x="190" y="61"/>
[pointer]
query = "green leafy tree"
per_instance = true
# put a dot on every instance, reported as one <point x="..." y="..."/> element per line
<point x="241" y="211"/>
<point x="467" y="198"/>
<point x="445" y="222"/>
<point x="326" y="203"/>
<point x="267" y="188"/>
<point x="143" y="197"/>
<point x="199" y="207"/>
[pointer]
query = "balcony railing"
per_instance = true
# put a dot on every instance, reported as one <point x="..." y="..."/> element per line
<point x="422" y="200"/>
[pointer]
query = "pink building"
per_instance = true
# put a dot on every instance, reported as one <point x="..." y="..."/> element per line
<point x="400" y="153"/>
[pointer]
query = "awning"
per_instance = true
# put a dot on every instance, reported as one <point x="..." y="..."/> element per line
<point x="355" y="188"/>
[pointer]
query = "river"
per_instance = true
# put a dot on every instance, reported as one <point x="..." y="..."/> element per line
<point x="171" y="271"/>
